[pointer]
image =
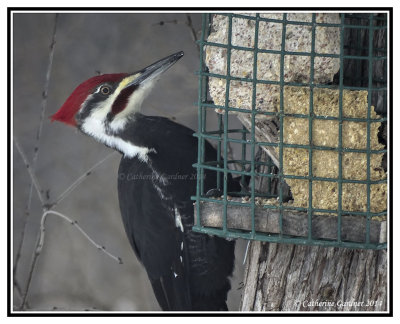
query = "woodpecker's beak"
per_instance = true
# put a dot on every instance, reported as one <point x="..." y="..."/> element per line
<point x="152" y="71"/>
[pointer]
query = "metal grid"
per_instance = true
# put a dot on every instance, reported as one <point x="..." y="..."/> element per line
<point x="249" y="166"/>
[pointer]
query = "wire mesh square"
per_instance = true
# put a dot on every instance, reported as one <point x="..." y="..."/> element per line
<point x="296" y="106"/>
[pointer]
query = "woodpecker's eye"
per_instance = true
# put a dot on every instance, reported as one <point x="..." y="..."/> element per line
<point x="105" y="90"/>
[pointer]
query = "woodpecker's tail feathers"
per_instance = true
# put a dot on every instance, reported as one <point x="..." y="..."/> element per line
<point x="171" y="295"/>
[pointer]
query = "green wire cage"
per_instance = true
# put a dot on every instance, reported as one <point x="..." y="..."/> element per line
<point x="296" y="106"/>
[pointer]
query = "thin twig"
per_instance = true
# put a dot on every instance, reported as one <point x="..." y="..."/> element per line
<point x="44" y="103"/>
<point x="29" y="280"/>
<point x="32" y="175"/>
<point x="35" y="183"/>
<point x="162" y="22"/>
<point x="40" y="240"/>
<point x="36" y="149"/>
<point x="78" y="181"/>
<point x="40" y="244"/>
<point x="189" y="23"/>
<point x="46" y="89"/>
<point x="18" y="289"/>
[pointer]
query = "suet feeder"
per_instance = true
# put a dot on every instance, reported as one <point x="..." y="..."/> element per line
<point x="310" y="92"/>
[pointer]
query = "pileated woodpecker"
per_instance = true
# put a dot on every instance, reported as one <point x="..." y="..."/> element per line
<point x="187" y="270"/>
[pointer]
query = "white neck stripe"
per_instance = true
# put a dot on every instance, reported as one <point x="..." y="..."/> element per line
<point x="97" y="130"/>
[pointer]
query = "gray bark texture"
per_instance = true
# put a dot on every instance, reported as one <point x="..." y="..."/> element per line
<point x="286" y="277"/>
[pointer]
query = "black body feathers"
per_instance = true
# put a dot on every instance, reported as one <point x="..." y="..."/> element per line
<point x="188" y="270"/>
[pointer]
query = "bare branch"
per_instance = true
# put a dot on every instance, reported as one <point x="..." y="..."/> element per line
<point x="44" y="105"/>
<point x="189" y="23"/>
<point x="35" y="184"/>
<point x="40" y="240"/>
<point x="40" y="243"/>
<point x="36" y="149"/>
<point x="45" y="89"/>
<point x="163" y="22"/>
<point x="78" y="181"/>
<point x="29" y="280"/>
<point x="18" y="289"/>
<point x="32" y="175"/>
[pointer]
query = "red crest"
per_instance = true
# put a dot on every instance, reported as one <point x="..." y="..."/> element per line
<point x="68" y="110"/>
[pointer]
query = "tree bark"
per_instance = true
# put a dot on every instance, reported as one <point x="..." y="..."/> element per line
<point x="285" y="277"/>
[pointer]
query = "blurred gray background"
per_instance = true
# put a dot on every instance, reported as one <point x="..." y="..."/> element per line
<point x="71" y="274"/>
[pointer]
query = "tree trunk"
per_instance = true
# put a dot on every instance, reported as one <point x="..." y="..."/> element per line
<point x="285" y="277"/>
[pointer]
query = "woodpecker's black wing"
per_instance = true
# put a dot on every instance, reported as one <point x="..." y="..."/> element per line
<point x="188" y="271"/>
<point x="151" y="228"/>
